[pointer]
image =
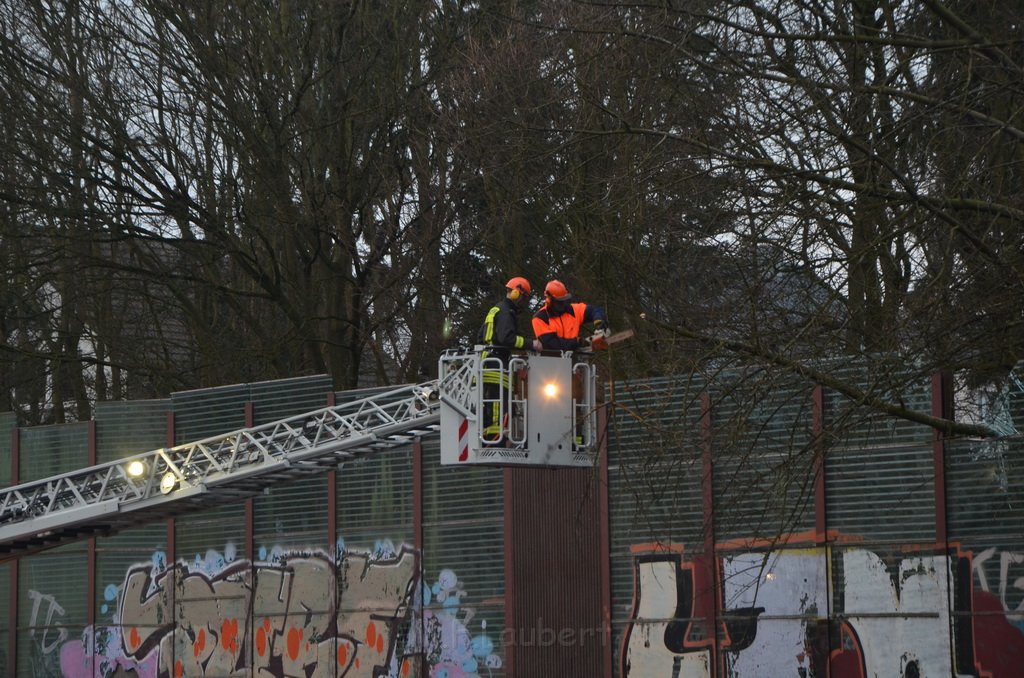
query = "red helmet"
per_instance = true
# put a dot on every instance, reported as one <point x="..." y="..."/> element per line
<point x="521" y="284"/>
<point x="557" y="291"/>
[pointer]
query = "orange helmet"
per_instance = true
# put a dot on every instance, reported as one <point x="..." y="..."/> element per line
<point x="521" y="284"/>
<point x="557" y="291"/>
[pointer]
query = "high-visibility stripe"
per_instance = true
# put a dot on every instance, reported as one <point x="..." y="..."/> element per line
<point x="497" y="377"/>
<point x="495" y="428"/>
<point x="489" y="324"/>
<point x="520" y="341"/>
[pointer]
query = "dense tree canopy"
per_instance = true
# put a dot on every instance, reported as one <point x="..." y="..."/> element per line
<point x="202" y="193"/>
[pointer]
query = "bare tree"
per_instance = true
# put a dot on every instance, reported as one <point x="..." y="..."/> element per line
<point x="272" y="193"/>
<point x="261" y="185"/>
<point x="777" y="195"/>
<point x="797" y="157"/>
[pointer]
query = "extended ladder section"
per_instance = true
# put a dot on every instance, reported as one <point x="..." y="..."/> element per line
<point x="532" y="410"/>
<point x="170" y="481"/>
<point x="536" y="410"/>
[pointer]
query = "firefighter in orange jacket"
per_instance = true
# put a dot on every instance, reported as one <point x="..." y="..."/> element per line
<point x="500" y="333"/>
<point x="557" y="324"/>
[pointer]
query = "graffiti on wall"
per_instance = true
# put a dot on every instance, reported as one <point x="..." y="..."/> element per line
<point x="451" y="649"/>
<point x="297" y="614"/>
<point x="45" y="614"/>
<point x="891" y="615"/>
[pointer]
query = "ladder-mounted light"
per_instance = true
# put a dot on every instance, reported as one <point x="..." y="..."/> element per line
<point x="168" y="482"/>
<point x="136" y="469"/>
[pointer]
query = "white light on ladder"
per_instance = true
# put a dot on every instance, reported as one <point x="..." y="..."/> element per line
<point x="136" y="469"/>
<point x="551" y="389"/>
<point x="168" y="482"/>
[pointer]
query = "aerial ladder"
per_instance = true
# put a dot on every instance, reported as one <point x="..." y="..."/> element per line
<point x="547" y="417"/>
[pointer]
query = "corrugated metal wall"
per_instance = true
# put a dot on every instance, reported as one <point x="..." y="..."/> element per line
<point x="555" y="574"/>
<point x="8" y="425"/>
<point x="5" y="622"/>
<point x="52" y="597"/>
<point x="880" y="471"/>
<point x="655" y="492"/>
<point x="123" y="429"/>
<point x="344" y="572"/>
<point x="802" y="534"/>
<point x="463" y="562"/>
<point x="816" y="536"/>
<point x="208" y="542"/>
<point x="291" y="517"/>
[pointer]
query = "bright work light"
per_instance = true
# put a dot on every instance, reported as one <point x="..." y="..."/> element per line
<point x="136" y="469"/>
<point x="551" y="389"/>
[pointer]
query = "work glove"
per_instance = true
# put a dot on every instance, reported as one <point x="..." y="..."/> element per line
<point x="602" y="328"/>
<point x="537" y="346"/>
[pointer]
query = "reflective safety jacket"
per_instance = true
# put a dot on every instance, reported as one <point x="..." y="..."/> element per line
<point x="500" y="329"/>
<point x="561" y="331"/>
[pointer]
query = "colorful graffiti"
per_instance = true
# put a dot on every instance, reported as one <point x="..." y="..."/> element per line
<point x="776" y="615"/>
<point x="451" y="649"/>
<point x="360" y="614"/>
